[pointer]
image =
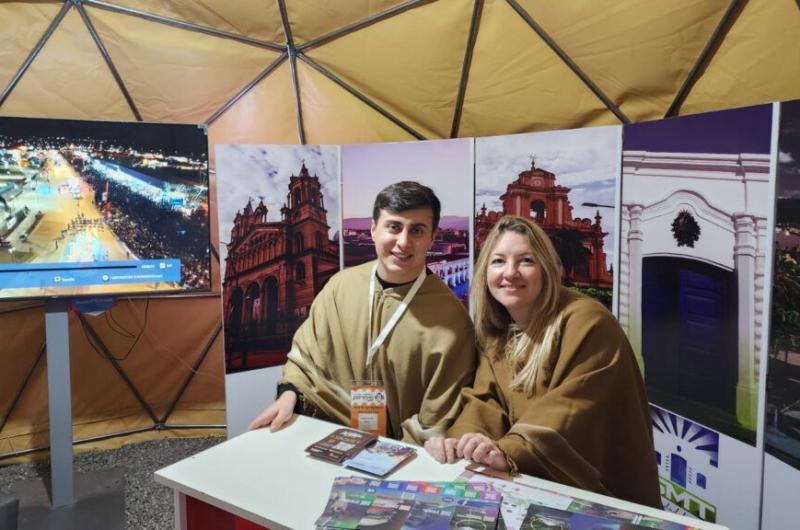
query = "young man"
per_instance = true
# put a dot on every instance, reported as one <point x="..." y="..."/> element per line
<point x="389" y="321"/>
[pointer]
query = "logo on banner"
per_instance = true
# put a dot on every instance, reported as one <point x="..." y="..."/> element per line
<point x="688" y="459"/>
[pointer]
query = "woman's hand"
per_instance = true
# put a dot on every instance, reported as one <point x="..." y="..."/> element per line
<point x="442" y="449"/>
<point x="482" y="450"/>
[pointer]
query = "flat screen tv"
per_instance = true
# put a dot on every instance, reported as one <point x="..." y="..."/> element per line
<point x="102" y="208"/>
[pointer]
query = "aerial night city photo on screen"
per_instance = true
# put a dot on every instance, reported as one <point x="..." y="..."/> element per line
<point x="91" y="208"/>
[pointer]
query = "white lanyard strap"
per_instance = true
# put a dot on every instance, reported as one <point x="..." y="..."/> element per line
<point x="372" y="347"/>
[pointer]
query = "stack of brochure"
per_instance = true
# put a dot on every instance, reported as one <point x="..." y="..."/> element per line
<point x="526" y="506"/>
<point x="361" y="451"/>
<point x="356" y="502"/>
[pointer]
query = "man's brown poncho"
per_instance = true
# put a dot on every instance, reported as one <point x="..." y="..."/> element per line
<point x="425" y="361"/>
<point x="587" y="422"/>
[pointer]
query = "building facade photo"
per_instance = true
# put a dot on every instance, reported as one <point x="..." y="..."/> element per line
<point x="277" y="258"/>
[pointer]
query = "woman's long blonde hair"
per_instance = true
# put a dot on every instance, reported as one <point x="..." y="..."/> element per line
<point x="523" y="349"/>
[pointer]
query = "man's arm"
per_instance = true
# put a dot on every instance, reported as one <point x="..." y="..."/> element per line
<point x="290" y="399"/>
<point x="277" y="414"/>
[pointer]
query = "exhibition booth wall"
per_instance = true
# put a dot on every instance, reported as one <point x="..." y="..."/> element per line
<point x="669" y="223"/>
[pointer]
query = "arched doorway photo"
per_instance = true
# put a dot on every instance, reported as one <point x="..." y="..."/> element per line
<point x="689" y="337"/>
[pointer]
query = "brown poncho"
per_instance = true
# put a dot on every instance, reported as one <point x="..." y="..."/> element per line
<point x="586" y="423"/>
<point x="425" y="361"/>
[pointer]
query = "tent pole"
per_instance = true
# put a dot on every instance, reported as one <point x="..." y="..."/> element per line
<point x="93" y="334"/>
<point x="361" y="24"/>
<point x="290" y="49"/>
<point x="708" y="52"/>
<point x="190" y="375"/>
<point x="364" y="99"/>
<point x="298" y="104"/>
<point x="35" y="52"/>
<point x="287" y="29"/>
<point x="23" y="384"/>
<point x="462" y="86"/>
<point x="20" y="308"/>
<point x="107" y="58"/>
<point x="101" y="437"/>
<point x="568" y="61"/>
<point x="260" y="77"/>
<point x="181" y="24"/>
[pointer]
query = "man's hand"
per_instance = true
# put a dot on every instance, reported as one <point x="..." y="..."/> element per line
<point x="442" y="449"/>
<point x="277" y="414"/>
<point x="482" y="450"/>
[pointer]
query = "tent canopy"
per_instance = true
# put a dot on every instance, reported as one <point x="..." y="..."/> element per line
<point x="325" y="71"/>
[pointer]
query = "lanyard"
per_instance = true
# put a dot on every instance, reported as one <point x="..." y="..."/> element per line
<point x="373" y="346"/>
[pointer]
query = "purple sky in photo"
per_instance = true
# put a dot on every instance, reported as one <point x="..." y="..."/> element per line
<point x="443" y="165"/>
<point x="745" y="130"/>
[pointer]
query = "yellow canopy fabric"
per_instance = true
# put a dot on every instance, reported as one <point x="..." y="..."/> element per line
<point x="334" y="72"/>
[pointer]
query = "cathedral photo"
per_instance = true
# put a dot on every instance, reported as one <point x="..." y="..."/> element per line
<point x="281" y="247"/>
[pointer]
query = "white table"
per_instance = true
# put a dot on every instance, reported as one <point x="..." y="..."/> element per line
<point x="268" y="479"/>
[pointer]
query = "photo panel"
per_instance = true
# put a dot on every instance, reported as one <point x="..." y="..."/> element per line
<point x="443" y="165"/>
<point x="567" y="182"/>
<point x="695" y="206"/>
<point x="782" y="425"/>
<point x="279" y="244"/>
<point x="697" y="466"/>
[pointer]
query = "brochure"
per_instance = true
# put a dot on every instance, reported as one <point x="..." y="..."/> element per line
<point x="340" y="445"/>
<point x="526" y="506"/>
<point x="356" y="502"/>
<point x="381" y="458"/>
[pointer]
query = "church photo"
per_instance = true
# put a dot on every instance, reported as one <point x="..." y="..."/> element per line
<point x="279" y="244"/>
<point x="566" y="182"/>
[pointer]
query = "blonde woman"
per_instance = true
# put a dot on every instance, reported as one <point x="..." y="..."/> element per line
<point x="558" y="393"/>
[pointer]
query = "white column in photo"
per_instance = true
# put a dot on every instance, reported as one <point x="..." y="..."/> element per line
<point x="762" y="242"/>
<point x="744" y="256"/>
<point x="635" y="240"/>
<point x="623" y="286"/>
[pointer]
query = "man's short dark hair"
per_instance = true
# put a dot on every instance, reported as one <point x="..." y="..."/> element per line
<point x="407" y="195"/>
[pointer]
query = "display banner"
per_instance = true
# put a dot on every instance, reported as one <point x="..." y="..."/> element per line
<point x="670" y="223"/>
<point x="279" y="244"/>
<point x="443" y="165"/>
<point x="782" y="422"/>
<point x="567" y="182"/>
<point x="696" y="202"/>
<point x="695" y="245"/>
<point x="782" y="433"/>
<point x="705" y="474"/>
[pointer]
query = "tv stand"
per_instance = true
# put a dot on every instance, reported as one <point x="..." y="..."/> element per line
<point x="59" y="397"/>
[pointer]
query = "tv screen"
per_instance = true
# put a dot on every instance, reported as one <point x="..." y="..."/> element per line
<point x="102" y="208"/>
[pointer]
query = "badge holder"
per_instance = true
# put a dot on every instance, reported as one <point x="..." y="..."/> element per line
<point x="368" y="407"/>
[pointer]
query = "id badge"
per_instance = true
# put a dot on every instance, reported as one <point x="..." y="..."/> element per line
<point x="368" y="407"/>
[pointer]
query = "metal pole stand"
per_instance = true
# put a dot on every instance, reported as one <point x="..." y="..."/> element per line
<point x="59" y="398"/>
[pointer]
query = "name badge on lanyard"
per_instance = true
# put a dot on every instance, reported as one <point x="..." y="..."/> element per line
<point x="368" y="398"/>
<point x="368" y="407"/>
<point x="373" y="345"/>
